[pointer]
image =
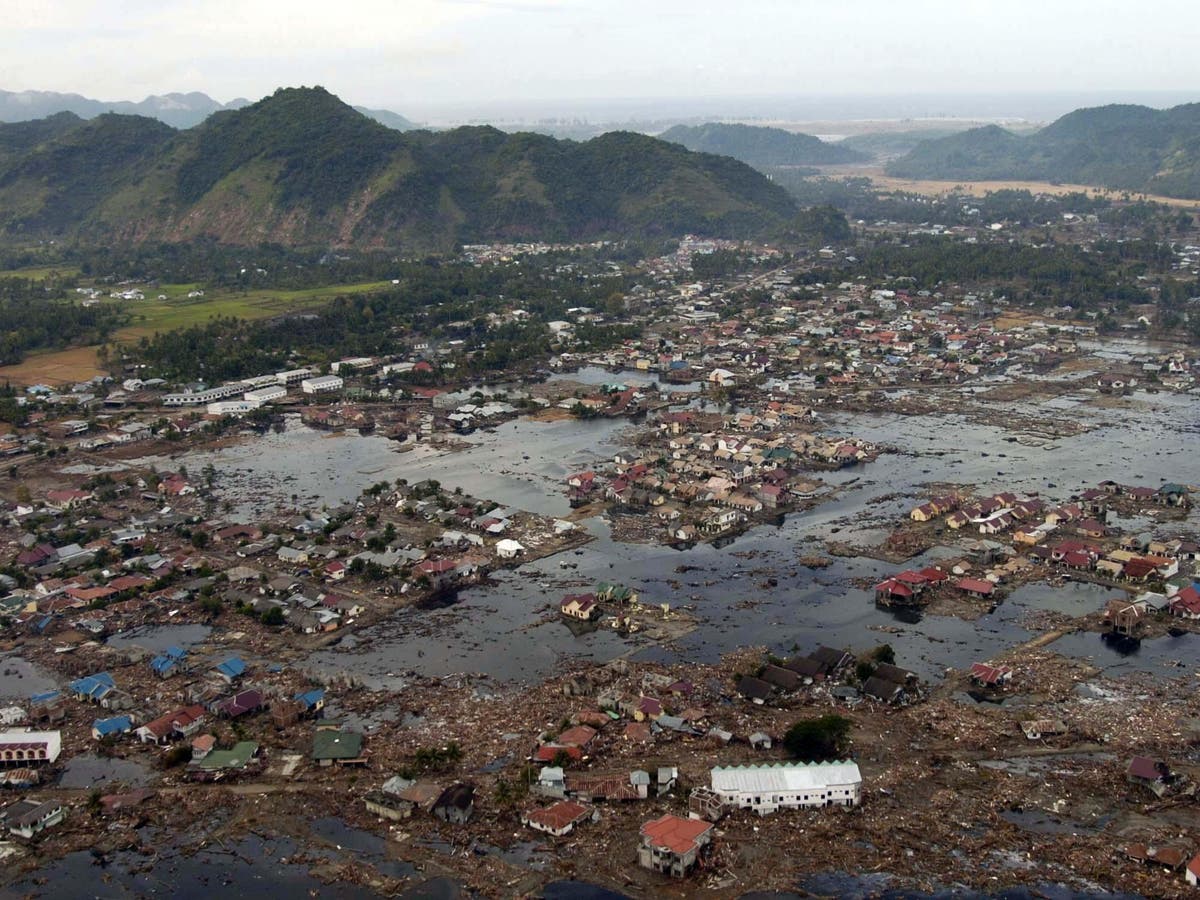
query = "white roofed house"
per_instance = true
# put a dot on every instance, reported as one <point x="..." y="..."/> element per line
<point x="508" y="549"/>
<point x="768" y="788"/>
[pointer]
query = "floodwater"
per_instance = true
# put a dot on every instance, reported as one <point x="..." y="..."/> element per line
<point x="157" y="638"/>
<point x="370" y="848"/>
<point x="509" y="630"/>
<point x="21" y="679"/>
<point x="878" y="886"/>
<point x="250" y="868"/>
<point x="521" y="463"/>
<point x="88" y="770"/>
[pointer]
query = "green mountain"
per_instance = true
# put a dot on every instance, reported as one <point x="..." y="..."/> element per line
<point x="302" y="168"/>
<point x="761" y="146"/>
<point x="1123" y="147"/>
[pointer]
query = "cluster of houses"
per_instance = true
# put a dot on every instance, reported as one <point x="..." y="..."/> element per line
<point x="157" y="543"/>
<point x="1073" y="538"/>
<point x="701" y="483"/>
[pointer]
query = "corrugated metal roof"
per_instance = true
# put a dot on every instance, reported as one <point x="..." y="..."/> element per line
<point x="784" y="777"/>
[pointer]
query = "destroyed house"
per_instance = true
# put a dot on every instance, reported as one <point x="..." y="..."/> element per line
<point x="456" y="804"/>
<point x="240" y="704"/>
<point x="895" y="673"/>
<point x="1150" y="773"/>
<point x="990" y="676"/>
<point x="807" y="668"/>
<point x="833" y="660"/>
<point x="884" y="689"/>
<point x="754" y="689"/>
<point x="784" y="679"/>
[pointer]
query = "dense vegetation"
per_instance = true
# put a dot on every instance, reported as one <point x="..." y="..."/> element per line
<point x="817" y="740"/>
<point x="437" y="300"/>
<point x="1124" y="147"/>
<point x="1102" y="276"/>
<point x="304" y="169"/>
<point x="761" y="146"/>
<point x="36" y="314"/>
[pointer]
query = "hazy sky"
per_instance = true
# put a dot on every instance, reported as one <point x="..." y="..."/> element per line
<point x="417" y="54"/>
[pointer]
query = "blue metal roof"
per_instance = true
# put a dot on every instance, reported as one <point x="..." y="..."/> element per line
<point x="311" y="698"/>
<point x="115" y="725"/>
<point x="45" y="697"/>
<point x="94" y="687"/>
<point x="232" y="668"/>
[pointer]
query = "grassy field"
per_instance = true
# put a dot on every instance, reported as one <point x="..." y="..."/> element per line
<point x="39" y="271"/>
<point x="177" y="311"/>
<point x="55" y="368"/>
<point x="180" y="311"/>
<point x="980" y="188"/>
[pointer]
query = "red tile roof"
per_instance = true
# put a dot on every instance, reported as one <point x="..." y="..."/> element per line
<point x="676" y="834"/>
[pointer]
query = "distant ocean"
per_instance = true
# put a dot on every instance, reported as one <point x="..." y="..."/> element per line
<point x="1042" y="107"/>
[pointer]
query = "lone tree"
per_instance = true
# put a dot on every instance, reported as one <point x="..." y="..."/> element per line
<point x="814" y="740"/>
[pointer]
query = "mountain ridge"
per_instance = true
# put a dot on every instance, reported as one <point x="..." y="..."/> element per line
<point x="761" y="146"/>
<point x="1119" y="146"/>
<point x="301" y="167"/>
<point x="177" y="109"/>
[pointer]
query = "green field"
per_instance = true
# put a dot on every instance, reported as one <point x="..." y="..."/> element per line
<point x="39" y="271"/>
<point x="180" y="311"/>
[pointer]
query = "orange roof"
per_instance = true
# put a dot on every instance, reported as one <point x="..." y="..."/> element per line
<point x="559" y="815"/>
<point x="675" y="834"/>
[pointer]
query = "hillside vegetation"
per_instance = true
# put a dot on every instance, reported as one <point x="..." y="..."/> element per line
<point x="759" y="146"/>
<point x="1124" y="147"/>
<point x="302" y="168"/>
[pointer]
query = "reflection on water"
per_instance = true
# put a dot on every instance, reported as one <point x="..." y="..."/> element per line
<point x="509" y="629"/>
<point x="21" y="679"/>
<point x="157" y="638"/>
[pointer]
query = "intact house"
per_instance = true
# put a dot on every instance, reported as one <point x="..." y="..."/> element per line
<point x="345" y="748"/>
<point x="768" y="788"/>
<point x="673" y="845"/>
<point x="560" y="818"/>
<point x="181" y="723"/>
<point x="28" y="817"/>
<point x="579" y="606"/>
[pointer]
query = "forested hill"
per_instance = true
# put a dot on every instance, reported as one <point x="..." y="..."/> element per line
<point x="761" y="146"/>
<point x="302" y="168"/>
<point x="1125" y="147"/>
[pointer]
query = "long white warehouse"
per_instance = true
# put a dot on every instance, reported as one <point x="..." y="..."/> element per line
<point x="322" y="384"/>
<point x="768" y="788"/>
<point x="20" y="747"/>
